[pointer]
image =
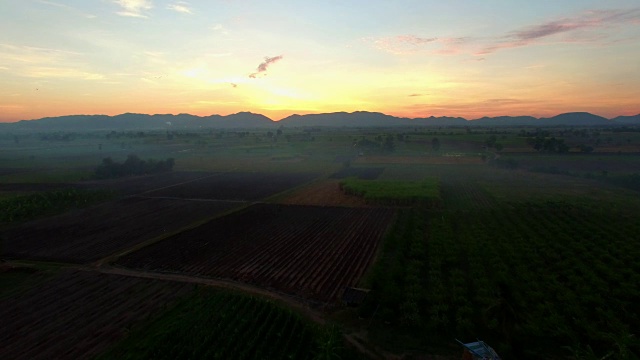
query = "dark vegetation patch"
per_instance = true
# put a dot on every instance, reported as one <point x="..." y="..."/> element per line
<point x="133" y="165"/>
<point x="210" y="324"/>
<point x="395" y="192"/>
<point x="533" y="278"/>
<point x="26" y="207"/>
<point x="243" y="186"/>
<point x="312" y="252"/>
<point x="96" y="232"/>
<point x="79" y="314"/>
<point x="365" y="173"/>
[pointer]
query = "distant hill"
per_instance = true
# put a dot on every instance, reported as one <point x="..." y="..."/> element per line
<point x="631" y="120"/>
<point x="575" y="119"/>
<point x="131" y="121"/>
<point x="506" y="121"/>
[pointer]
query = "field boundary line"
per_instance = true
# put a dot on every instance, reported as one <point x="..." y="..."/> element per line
<point x="202" y="200"/>
<point x="186" y="182"/>
<point x="115" y="256"/>
<point x="287" y="300"/>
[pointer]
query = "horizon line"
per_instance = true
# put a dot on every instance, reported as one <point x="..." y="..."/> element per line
<point x="319" y="113"/>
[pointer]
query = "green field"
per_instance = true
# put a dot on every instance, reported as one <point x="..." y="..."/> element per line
<point x="221" y="325"/>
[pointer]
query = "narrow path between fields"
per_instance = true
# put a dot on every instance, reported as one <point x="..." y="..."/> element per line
<point x="289" y="301"/>
<point x="206" y="200"/>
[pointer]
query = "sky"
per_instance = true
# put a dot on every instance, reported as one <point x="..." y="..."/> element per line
<point x="417" y="58"/>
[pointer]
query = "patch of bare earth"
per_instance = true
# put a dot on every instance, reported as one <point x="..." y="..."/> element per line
<point x="324" y="193"/>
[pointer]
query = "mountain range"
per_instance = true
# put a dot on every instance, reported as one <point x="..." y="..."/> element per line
<point x="131" y="121"/>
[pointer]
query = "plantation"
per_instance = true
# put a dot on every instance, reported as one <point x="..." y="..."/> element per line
<point x="219" y="325"/>
<point x="530" y="277"/>
<point x="395" y="193"/>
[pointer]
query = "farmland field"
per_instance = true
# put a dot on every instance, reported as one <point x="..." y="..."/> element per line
<point x="234" y="186"/>
<point x="98" y="231"/>
<point x="79" y="314"/>
<point x="534" y="251"/>
<point x="535" y="275"/>
<point x="323" y="193"/>
<point x="312" y="252"/>
<point x="210" y="324"/>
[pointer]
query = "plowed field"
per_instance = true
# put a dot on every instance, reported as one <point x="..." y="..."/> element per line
<point x="96" y="232"/>
<point x="307" y="251"/>
<point x="79" y="314"/>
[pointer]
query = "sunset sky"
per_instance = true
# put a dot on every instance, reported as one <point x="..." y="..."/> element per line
<point x="417" y="58"/>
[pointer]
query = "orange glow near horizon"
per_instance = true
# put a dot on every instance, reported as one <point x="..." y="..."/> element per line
<point x="103" y="58"/>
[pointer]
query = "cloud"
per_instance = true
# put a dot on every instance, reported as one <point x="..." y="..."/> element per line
<point x="401" y="44"/>
<point x="68" y="8"/>
<point x="220" y="28"/>
<point x="181" y="7"/>
<point x="38" y="62"/>
<point x="134" y="8"/>
<point x="265" y="65"/>
<point x="587" y="27"/>
<point x="590" y="20"/>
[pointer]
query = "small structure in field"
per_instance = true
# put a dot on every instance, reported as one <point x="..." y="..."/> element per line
<point x="478" y="350"/>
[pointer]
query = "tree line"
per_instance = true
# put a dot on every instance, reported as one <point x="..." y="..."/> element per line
<point x="133" y="165"/>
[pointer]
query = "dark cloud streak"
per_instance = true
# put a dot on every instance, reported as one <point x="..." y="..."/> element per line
<point x="265" y="65"/>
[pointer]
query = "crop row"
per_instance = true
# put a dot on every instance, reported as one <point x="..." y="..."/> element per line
<point x="535" y="276"/>
<point x="314" y="252"/>
<point x="101" y="230"/>
<point x="215" y="325"/>
<point x="25" y="207"/>
<point x="79" y="314"/>
<point x="425" y="192"/>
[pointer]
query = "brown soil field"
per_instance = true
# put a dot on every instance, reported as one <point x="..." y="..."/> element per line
<point x="79" y="314"/>
<point x="98" y="231"/>
<point x="307" y="251"/>
<point x="325" y="193"/>
<point x="426" y="160"/>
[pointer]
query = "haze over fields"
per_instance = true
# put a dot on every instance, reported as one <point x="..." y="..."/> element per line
<point x="411" y="59"/>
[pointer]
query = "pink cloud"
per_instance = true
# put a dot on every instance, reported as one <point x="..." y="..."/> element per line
<point x="590" y="20"/>
<point x="265" y="65"/>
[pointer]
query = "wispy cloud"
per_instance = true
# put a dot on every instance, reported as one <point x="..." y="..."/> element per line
<point x="69" y="8"/>
<point x="134" y="8"/>
<point x="62" y="73"/>
<point x="181" y="7"/>
<point x="21" y="54"/>
<point x="593" y="26"/>
<point x="37" y="62"/>
<point x="265" y="65"/>
<point x="401" y="44"/>
<point x="220" y="28"/>
<point x="590" y="20"/>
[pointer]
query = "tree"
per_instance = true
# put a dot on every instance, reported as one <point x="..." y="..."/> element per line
<point x="388" y="145"/>
<point x="499" y="146"/>
<point x="435" y="144"/>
